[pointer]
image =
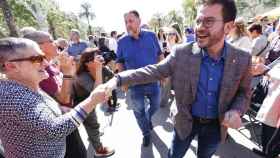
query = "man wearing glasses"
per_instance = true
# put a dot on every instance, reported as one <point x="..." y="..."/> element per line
<point x="211" y="80"/>
<point x="137" y="49"/>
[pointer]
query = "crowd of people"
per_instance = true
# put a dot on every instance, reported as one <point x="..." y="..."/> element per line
<point x="48" y="88"/>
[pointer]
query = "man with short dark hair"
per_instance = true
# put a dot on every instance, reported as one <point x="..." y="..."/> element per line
<point x="260" y="43"/>
<point x="211" y="80"/>
<point x="137" y="49"/>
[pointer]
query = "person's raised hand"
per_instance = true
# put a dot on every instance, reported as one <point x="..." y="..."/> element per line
<point x="67" y="64"/>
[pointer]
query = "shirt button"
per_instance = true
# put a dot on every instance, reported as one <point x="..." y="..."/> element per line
<point x="210" y="78"/>
<point x="209" y="93"/>
<point x="213" y="64"/>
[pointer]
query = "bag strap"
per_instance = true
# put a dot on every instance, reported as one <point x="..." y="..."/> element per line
<point x="267" y="43"/>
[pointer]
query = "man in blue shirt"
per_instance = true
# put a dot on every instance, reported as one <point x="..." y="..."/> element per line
<point x="208" y="89"/>
<point x="211" y="80"/>
<point x="138" y="49"/>
<point x="76" y="46"/>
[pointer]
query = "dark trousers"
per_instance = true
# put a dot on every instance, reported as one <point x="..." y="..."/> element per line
<point x="209" y="138"/>
<point x="271" y="138"/>
<point x="74" y="146"/>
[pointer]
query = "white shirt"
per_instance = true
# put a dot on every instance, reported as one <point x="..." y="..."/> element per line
<point x="243" y="43"/>
<point x="113" y="44"/>
<point x="258" y="45"/>
<point x="269" y="112"/>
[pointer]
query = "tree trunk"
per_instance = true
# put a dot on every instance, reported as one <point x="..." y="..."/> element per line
<point x="9" y="18"/>
<point x="89" y="26"/>
<point x="51" y="28"/>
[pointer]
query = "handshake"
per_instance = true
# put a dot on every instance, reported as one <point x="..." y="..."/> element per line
<point x="102" y="92"/>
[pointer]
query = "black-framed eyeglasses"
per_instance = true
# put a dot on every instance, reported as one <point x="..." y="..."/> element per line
<point x="33" y="59"/>
<point x="207" y="22"/>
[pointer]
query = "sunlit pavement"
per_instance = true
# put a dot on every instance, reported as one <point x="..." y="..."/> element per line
<point x="122" y="133"/>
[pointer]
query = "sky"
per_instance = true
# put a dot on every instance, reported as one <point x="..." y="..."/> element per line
<point x="109" y="13"/>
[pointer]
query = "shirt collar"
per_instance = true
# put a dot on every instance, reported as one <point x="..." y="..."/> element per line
<point x="141" y="34"/>
<point x="223" y="53"/>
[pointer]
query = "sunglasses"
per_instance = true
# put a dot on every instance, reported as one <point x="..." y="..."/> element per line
<point x="33" y="59"/>
<point x="46" y="41"/>
<point x="171" y="34"/>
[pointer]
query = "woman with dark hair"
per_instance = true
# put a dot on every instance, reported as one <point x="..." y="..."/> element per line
<point x="173" y="39"/>
<point x="91" y="73"/>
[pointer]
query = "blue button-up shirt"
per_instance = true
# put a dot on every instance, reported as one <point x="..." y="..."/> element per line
<point x="136" y="53"/>
<point x="77" y="48"/>
<point x="207" y="96"/>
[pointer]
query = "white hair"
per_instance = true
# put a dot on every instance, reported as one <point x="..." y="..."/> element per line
<point x="11" y="48"/>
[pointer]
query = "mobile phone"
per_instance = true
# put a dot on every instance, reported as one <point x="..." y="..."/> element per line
<point x="164" y="44"/>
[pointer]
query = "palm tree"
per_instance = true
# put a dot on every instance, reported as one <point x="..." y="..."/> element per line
<point x="9" y="18"/>
<point x="88" y="14"/>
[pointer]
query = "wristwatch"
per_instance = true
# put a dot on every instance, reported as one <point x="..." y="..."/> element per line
<point x="68" y="77"/>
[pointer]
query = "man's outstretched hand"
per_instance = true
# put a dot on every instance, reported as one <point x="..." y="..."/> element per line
<point x="110" y="86"/>
<point x="232" y="119"/>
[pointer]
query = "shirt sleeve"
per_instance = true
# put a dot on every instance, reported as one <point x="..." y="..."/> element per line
<point x="157" y="46"/>
<point x="258" y="45"/>
<point x="120" y="57"/>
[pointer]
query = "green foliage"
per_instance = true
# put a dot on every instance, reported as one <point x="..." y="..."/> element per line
<point x="22" y="17"/>
<point x="88" y="14"/>
<point x="59" y="22"/>
<point x="189" y="9"/>
<point x="159" y="20"/>
<point x="251" y="8"/>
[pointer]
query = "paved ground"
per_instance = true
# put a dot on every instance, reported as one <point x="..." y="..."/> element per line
<point x="122" y="133"/>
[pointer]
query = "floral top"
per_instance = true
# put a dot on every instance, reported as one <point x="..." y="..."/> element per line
<point x="31" y="123"/>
